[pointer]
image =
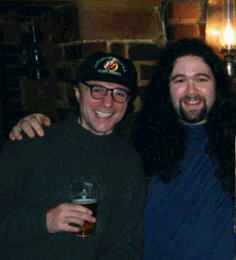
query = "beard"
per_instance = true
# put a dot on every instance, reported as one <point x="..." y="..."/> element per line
<point x="193" y="116"/>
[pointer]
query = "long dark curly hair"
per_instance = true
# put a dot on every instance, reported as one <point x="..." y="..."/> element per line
<point x="158" y="134"/>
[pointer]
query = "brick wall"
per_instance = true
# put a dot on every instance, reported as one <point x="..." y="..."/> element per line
<point x="185" y="19"/>
<point x="72" y="31"/>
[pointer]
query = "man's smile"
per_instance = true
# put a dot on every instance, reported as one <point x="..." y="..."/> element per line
<point x="102" y="114"/>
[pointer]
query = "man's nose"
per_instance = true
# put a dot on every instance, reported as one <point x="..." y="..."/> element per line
<point x="108" y="99"/>
<point x="191" y="87"/>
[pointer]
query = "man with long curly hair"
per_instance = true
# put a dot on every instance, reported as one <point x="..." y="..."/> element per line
<point x="185" y="135"/>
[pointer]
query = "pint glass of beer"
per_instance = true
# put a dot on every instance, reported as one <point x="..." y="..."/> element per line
<point x="86" y="194"/>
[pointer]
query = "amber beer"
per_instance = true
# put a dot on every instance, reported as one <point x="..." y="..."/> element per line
<point x="88" y="228"/>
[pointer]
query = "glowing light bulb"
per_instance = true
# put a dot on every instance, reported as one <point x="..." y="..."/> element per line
<point x="228" y="35"/>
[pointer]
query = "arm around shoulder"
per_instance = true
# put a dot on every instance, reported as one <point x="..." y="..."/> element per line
<point x="30" y="125"/>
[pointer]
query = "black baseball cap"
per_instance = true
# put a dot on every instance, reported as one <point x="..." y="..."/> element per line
<point x="110" y="68"/>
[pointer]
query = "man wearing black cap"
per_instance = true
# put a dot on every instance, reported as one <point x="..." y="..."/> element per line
<point x="98" y="67"/>
<point x="36" y="176"/>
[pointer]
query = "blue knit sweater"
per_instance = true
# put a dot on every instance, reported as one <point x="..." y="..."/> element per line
<point x="190" y="218"/>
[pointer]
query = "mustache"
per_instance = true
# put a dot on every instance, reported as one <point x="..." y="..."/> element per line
<point x="192" y="98"/>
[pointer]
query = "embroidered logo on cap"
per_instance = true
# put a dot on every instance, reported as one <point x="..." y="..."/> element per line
<point x="110" y="65"/>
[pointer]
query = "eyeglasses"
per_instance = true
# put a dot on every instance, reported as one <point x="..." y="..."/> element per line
<point x="119" y="95"/>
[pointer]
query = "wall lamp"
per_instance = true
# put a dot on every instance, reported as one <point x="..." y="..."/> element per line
<point x="221" y="31"/>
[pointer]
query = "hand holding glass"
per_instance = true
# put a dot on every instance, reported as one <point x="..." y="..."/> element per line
<point x="86" y="194"/>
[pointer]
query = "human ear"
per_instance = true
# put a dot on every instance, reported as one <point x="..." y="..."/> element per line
<point x="77" y="93"/>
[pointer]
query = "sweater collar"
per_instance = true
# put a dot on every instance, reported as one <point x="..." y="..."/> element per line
<point x="82" y="135"/>
<point x="196" y="131"/>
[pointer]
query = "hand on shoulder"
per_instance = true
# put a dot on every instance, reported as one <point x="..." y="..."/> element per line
<point x="30" y="125"/>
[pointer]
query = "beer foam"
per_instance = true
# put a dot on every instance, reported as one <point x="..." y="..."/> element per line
<point x="84" y="201"/>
